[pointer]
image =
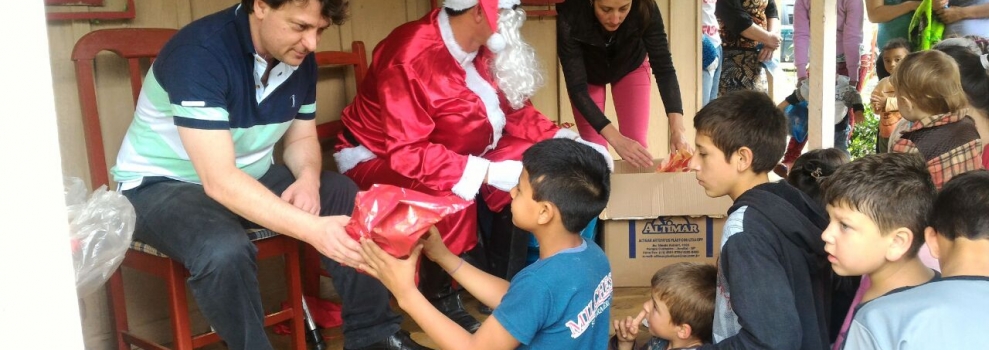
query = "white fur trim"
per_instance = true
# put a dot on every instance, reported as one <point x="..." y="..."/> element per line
<point x="508" y="4"/>
<point x="472" y="179"/>
<point x="601" y="149"/>
<point x="505" y="174"/>
<point x="496" y="43"/>
<point x="492" y="105"/>
<point x="566" y="133"/>
<point x="985" y="61"/>
<point x="458" y="5"/>
<point x="348" y="158"/>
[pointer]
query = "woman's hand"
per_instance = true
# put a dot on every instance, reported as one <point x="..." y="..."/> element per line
<point x="950" y="15"/>
<point x="678" y="134"/>
<point x="629" y="149"/>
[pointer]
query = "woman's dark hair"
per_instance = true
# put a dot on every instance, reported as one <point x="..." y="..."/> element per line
<point x="810" y="169"/>
<point x="975" y="80"/>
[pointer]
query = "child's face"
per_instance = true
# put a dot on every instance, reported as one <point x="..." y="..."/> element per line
<point x="660" y="323"/>
<point x="713" y="172"/>
<point x="854" y="244"/>
<point x="892" y="58"/>
<point x="524" y="208"/>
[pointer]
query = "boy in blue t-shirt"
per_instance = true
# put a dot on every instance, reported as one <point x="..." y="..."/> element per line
<point x="559" y="302"/>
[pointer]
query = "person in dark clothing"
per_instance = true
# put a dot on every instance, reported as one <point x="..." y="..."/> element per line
<point x="750" y="34"/>
<point x="616" y="42"/>
<point x="773" y="274"/>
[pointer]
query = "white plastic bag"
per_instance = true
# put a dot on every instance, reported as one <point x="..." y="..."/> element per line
<point x="100" y="229"/>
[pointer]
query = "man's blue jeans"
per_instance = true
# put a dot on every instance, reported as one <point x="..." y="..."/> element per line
<point x="179" y="219"/>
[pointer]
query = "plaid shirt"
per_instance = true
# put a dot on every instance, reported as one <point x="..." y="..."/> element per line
<point x="949" y="144"/>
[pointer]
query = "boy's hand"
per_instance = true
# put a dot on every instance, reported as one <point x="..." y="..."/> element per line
<point x="433" y="245"/>
<point x="397" y="275"/>
<point x="628" y="329"/>
<point x="878" y="103"/>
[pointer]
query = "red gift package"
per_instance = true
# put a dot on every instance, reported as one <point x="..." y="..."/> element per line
<point x="395" y="218"/>
<point x="678" y="161"/>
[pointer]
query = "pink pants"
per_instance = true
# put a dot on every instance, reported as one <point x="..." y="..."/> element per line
<point x="631" y="95"/>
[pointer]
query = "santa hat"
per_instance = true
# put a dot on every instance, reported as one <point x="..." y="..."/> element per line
<point x="490" y="8"/>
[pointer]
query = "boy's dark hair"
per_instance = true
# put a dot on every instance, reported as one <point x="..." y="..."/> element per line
<point x="745" y="119"/>
<point x="961" y="208"/>
<point x="897" y="43"/>
<point x="572" y="176"/>
<point x="811" y="168"/>
<point x="892" y="189"/>
<point x="688" y="290"/>
<point x="975" y="80"/>
<point x="335" y="10"/>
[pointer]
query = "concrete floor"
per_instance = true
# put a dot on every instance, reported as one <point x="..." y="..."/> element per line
<point x="626" y="302"/>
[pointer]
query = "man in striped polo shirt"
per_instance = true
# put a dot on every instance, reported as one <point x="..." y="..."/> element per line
<point x="197" y="163"/>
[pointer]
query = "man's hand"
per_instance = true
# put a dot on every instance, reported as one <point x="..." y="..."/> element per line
<point x="626" y="330"/>
<point x="303" y="195"/>
<point x="397" y="275"/>
<point x="335" y="243"/>
<point x="433" y="245"/>
<point x="951" y="14"/>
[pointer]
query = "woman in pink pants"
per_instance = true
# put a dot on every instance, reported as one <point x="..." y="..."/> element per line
<point x="618" y="42"/>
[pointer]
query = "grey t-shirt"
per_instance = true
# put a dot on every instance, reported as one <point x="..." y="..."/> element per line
<point x="950" y="313"/>
<point x="974" y="26"/>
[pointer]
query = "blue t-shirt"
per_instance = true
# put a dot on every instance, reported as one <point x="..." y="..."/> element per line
<point x="208" y="76"/>
<point x="560" y="302"/>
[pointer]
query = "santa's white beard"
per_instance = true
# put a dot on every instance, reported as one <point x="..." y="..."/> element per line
<point x="515" y="68"/>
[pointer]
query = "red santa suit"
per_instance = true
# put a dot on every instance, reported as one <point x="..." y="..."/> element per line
<point x="428" y="117"/>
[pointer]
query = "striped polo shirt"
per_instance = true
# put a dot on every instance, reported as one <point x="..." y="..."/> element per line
<point x="208" y="76"/>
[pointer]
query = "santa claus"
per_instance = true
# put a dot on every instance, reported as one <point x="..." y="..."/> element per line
<point x="445" y="109"/>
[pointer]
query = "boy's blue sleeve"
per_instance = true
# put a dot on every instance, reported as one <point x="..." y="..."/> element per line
<point x="859" y="337"/>
<point x="525" y="307"/>
<point x="758" y="280"/>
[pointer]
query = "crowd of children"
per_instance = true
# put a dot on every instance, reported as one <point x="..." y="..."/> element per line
<point x="886" y="251"/>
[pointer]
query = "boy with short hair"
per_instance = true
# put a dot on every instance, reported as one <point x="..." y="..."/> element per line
<point x="680" y="310"/>
<point x="950" y="313"/>
<point x="878" y="207"/>
<point x="559" y="302"/>
<point x="773" y="275"/>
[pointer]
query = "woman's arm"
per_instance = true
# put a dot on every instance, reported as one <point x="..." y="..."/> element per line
<point x="879" y="12"/>
<point x="661" y="60"/>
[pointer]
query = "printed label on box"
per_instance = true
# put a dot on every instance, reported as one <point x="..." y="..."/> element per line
<point x="670" y="237"/>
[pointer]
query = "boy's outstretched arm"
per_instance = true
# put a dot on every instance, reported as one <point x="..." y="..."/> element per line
<point x="760" y="297"/>
<point x="485" y="287"/>
<point x="398" y="276"/>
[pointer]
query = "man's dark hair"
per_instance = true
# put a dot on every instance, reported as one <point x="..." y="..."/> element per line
<point x="897" y="43"/>
<point x="453" y="13"/>
<point x="335" y="10"/>
<point x="572" y="176"/>
<point x="745" y="118"/>
<point x="961" y="208"/>
<point x="892" y="189"/>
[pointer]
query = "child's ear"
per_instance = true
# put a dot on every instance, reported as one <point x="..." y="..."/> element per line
<point x="684" y="331"/>
<point x="546" y="213"/>
<point x="743" y="158"/>
<point x="900" y="241"/>
<point x="930" y="236"/>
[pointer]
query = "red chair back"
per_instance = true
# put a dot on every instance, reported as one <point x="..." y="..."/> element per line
<point x="357" y="58"/>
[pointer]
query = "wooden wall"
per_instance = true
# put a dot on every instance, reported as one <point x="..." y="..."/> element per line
<point x="371" y="21"/>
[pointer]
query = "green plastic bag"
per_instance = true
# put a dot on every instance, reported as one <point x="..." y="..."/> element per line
<point x="925" y="28"/>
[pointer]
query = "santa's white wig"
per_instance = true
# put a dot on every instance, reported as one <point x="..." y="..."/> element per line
<point x="516" y="69"/>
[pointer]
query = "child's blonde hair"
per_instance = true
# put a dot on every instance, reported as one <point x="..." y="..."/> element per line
<point x="688" y="290"/>
<point x="930" y="80"/>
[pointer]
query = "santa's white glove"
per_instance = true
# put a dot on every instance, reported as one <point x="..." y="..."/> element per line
<point x="505" y="174"/>
<point x="601" y="149"/>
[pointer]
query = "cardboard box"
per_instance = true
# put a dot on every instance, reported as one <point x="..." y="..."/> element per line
<point x="656" y="219"/>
